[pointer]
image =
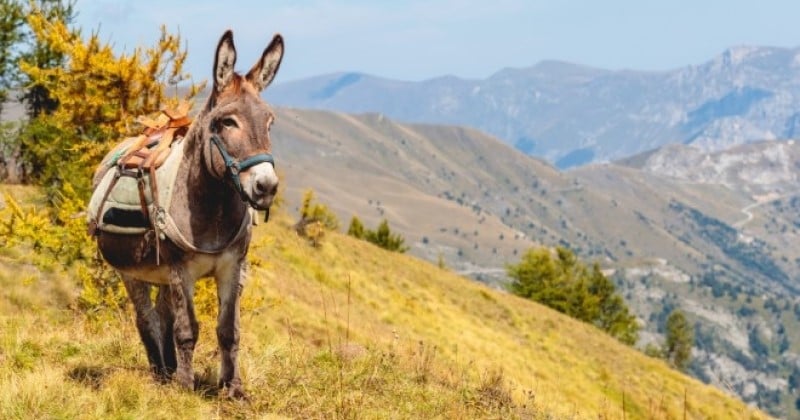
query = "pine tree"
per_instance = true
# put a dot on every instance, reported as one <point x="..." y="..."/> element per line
<point x="535" y="278"/>
<point x="563" y="283"/>
<point x="356" y="228"/>
<point x="614" y="315"/>
<point x="678" y="345"/>
<point x="384" y="238"/>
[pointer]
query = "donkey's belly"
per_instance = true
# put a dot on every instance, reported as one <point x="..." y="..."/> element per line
<point x="201" y="265"/>
<point x="135" y="256"/>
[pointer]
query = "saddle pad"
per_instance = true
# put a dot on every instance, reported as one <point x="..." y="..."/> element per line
<point x="123" y="202"/>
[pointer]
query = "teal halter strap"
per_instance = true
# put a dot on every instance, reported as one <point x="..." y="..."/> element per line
<point x="233" y="167"/>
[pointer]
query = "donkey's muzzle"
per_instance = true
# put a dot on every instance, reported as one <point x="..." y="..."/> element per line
<point x="263" y="186"/>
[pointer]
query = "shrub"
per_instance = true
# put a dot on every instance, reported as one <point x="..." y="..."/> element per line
<point x="57" y="236"/>
<point x="315" y="219"/>
<point x="384" y="238"/>
<point x="356" y="228"/>
<point x="563" y="283"/>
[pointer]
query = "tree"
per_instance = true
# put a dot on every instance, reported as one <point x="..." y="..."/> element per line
<point x="536" y="278"/>
<point x="12" y="19"/>
<point x="384" y="238"/>
<point x="356" y="228"/>
<point x="36" y="96"/>
<point x="613" y="314"/>
<point x="565" y="284"/>
<point x="315" y="219"/>
<point x="311" y="211"/>
<point x="97" y="94"/>
<point x="678" y="345"/>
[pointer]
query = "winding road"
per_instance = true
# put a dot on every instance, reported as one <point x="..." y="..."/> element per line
<point x="747" y="210"/>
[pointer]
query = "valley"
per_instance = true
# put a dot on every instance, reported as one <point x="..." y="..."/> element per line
<point x="669" y="240"/>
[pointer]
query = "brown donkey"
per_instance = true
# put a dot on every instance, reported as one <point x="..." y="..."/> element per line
<point x="225" y="166"/>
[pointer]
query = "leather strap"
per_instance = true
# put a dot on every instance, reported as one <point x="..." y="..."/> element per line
<point x="93" y="227"/>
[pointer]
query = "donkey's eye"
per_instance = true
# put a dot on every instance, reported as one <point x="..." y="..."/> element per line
<point x="229" y="122"/>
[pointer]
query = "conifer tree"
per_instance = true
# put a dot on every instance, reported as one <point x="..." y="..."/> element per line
<point x="384" y="238"/>
<point x="536" y="277"/>
<point x="98" y="94"/>
<point x="563" y="283"/>
<point x="311" y="211"/>
<point x="35" y="95"/>
<point x="12" y="20"/>
<point x="356" y="228"/>
<point x="315" y="219"/>
<point x="679" y="340"/>
<point x="613" y="314"/>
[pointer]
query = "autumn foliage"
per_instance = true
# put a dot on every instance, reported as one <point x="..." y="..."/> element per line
<point x="93" y="96"/>
<point x="98" y="93"/>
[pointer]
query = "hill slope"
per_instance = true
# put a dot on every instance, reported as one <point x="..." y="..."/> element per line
<point x="345" y="330"/>
<point x="671" y="240"/>
<point x="573" y="115"/>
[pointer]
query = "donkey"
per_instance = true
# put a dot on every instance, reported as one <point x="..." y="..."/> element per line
<point x="226" y="166"/>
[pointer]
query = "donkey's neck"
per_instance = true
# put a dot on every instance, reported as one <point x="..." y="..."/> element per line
<point x="207" y="210"/>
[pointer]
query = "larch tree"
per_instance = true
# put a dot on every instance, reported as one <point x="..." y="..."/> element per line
<point x="98" y="94"/>
<point x="12" y="21"/>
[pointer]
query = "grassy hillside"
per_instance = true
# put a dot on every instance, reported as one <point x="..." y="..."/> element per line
<point x="424" y="179"/>
<point x="671" y="242"/>
<point x="464" y="194"/>
<point x="346" y="330"/>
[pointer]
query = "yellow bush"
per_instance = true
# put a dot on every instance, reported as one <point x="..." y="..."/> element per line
<point x="99" y="95"/>
<point x="57" y="236"/>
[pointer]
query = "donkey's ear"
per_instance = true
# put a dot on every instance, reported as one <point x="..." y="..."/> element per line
<point x="264" y="71"/>
<point x="224" y="61"/>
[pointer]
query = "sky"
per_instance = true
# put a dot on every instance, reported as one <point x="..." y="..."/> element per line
<point x="422" y="39"/>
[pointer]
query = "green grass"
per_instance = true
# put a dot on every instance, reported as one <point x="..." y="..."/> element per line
<point x="346" y="330"/>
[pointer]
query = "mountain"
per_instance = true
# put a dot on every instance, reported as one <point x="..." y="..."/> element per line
<point x="341" y="330"/>
<point x="718" y="241"/>
<point x="573" y="115"/>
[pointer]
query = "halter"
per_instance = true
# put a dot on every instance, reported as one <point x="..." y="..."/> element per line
<point x="233" y="167"/>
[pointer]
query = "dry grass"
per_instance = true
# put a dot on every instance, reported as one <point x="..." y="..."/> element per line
<point x="345" y="330"/>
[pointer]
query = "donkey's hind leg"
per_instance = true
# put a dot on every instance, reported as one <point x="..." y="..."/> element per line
<point x="149" y="324"/>
<point x="167" y="332"/>
<point x="185" y="327"/>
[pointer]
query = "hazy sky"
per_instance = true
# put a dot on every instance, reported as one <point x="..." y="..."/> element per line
<point x="421" y="39"/>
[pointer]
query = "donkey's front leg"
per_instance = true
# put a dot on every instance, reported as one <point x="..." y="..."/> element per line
<point x="230" y="281"/>
<point x="181" y="291"/>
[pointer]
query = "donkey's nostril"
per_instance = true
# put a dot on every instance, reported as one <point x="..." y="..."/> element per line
<point x="264" y="186"/>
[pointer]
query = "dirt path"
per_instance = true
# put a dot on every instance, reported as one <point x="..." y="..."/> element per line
<point x="748" y="209"/>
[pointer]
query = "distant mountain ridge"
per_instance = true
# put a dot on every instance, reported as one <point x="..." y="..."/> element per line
<point x="571" y="114"/>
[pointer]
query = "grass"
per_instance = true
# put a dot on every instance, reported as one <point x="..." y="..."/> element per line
<point x="345" y="330"/>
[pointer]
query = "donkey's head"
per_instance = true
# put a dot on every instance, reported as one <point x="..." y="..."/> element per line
<point x="235" y="124"/>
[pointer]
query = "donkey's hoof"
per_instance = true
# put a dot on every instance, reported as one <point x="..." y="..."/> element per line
<point x="185" y="380"/>
<point x="234" y="390"/>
